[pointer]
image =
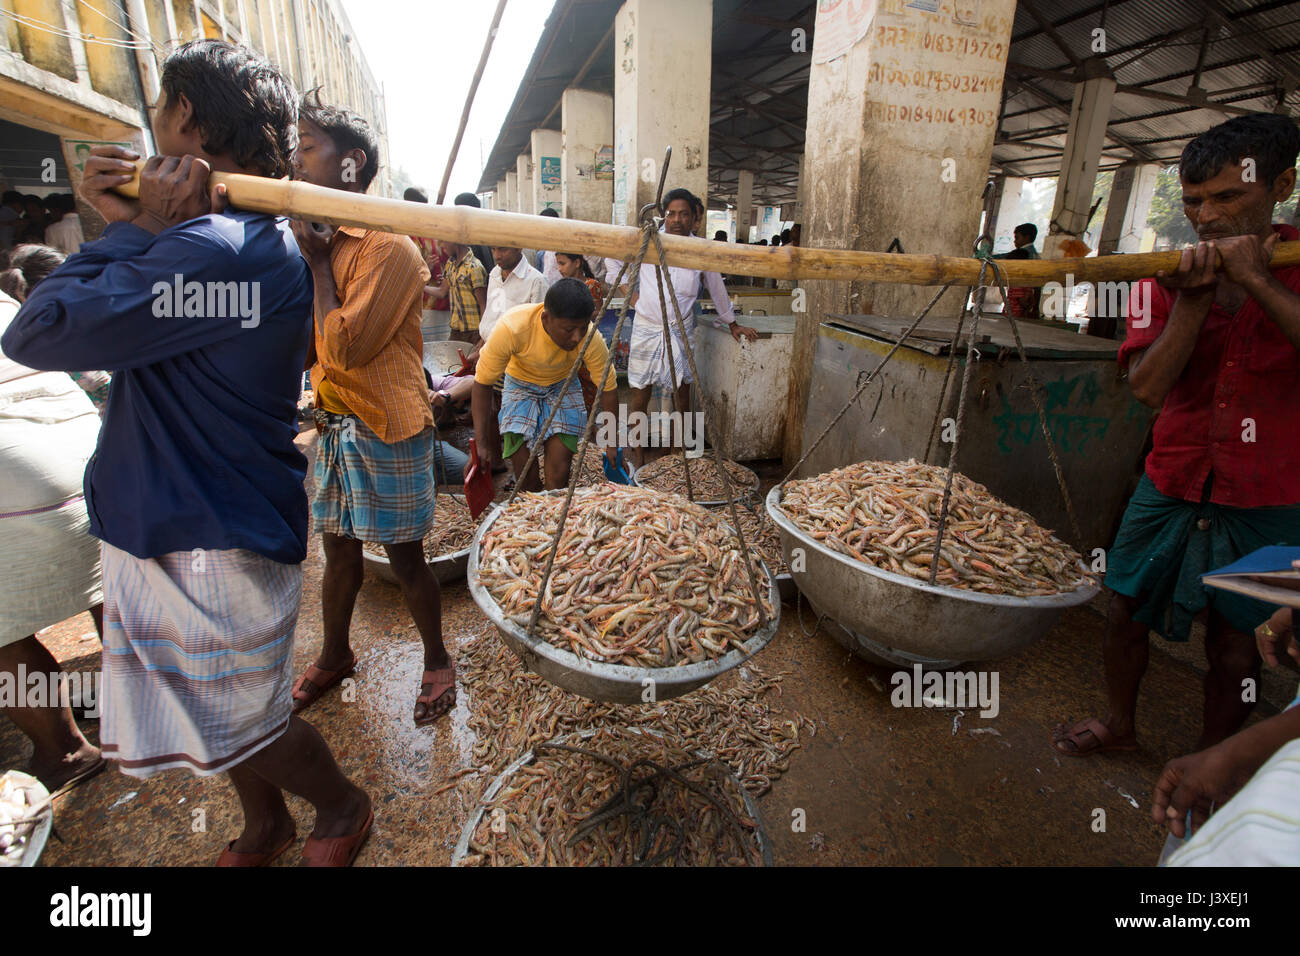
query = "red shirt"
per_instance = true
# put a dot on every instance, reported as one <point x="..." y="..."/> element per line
<point x="1243" y="367"/>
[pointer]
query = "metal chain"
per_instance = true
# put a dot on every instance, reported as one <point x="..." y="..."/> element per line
<point x="745" y="552"/>
<point x="672" y="367"/>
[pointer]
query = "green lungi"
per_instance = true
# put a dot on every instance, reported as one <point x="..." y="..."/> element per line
<point x="1165" y="544"/>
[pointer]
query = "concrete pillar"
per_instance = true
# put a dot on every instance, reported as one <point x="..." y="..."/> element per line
<point x="1126" y="212"/>
<point x="880" y="147"/>
<point x="548" y="145"/>
<point x="503" y="195"/>
<point x="1008" y="213"/>
<point x="587" y="176"/>
<point x="662" y="63"/>
<point x="512" y="192"/>
<point x="524" y="184"/>
<point x="801" y="191"/>
<point x="744" y="204"/>
<point x="1084" y="140"/>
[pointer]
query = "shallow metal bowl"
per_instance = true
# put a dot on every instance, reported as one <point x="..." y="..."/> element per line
<point x="939" y="624"/>
<point x="467" y="832"/>
<point x="446" y="567"/>
<point x="741" y="494"/>
<point x="595" y="680"/>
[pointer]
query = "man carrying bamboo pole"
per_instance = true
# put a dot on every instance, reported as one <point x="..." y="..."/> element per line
<point x="196" y="489"/>
<point x="1215" y="346"/>
<point x="374" y="459"/>
<point x="647" y="363"/>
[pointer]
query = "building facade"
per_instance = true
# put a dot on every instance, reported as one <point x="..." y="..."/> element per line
<point x="76" y="73"/>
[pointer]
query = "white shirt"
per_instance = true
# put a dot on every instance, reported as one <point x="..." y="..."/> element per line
<point x="65" y="235"/>
<point x="523" y="285"/>
<point x="685" y="283"/>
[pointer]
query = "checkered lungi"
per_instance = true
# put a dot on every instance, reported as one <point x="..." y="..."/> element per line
<point x="367" y="489"/>
<point x="525" y="408"/>
<point x="647" y="355"/>
<point x="198" y="655"/>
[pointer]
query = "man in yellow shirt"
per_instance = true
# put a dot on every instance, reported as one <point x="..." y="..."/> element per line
<point x="534" y="346"/>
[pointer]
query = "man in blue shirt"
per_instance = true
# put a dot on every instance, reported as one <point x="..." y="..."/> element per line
<point x="196" y="487"/>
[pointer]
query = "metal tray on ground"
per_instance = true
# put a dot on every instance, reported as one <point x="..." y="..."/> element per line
<point x="467" y="832"/>
<point x="40" y="833"/>
<point x="900" y="613"/>
<point x="615" y="683"/>
<point x="745" y="493"/>
<point x="447" y="568"/>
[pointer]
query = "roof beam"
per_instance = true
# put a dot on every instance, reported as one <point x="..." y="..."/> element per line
<point x="1051" y="32"/>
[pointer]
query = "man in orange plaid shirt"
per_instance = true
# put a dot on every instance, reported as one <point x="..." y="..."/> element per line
<point x="374" y="457"/>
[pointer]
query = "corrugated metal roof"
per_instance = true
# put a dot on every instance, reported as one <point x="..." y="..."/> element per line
<point x="1250" y="61"/>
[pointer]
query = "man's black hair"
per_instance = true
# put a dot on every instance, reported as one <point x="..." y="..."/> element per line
<point x="1268" y="138"/>
<point x="347" y="130"/>
<point x="692" y="200"/>
<point x="549" y="213"/>
<point x="720" y="235"/>
<point x="244" y="107"/>
<point x="415" y="194"/>
<point x="1027" y="229"/>
<point x="467" y="199"/>
<point x="569" y="299"/>
<point x="785" y="236"/>
<point x="11" y="195"/>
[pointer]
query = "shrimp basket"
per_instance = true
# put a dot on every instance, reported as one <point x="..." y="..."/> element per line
<point x="503" y="779"/>
<point x="913" y="620"/>
<point x="596" y="680"/>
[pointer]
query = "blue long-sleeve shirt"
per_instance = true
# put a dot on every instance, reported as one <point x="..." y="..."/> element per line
<point x="196" y="449"/>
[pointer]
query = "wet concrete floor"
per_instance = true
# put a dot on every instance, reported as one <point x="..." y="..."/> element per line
<point x="876" y="784"/>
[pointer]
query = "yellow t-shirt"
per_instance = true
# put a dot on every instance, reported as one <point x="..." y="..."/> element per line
<point x="520" y="348"/>
<point x="328" y="399"/>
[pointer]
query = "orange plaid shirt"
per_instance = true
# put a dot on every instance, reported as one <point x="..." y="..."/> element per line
<point x="369" y="349"/>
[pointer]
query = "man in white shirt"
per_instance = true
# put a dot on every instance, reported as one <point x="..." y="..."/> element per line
<point x="647" y="364"/>
<point x="513" y="281"/>
<point x="66" y="234"/>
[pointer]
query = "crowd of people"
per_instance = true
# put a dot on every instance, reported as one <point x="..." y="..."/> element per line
<point x="187" y="536"/>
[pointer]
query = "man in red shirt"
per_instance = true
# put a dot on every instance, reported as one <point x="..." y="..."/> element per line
<point x="1215" y="346"/>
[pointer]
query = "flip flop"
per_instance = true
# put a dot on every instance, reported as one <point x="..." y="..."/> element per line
<point x="321" y="680"/>
<point x="231" y="858"/>
<point x="80" y="778"/>
<point x="1098" y="739"/>
<point x="337" y="851"/>
<point x="441" y="682"/>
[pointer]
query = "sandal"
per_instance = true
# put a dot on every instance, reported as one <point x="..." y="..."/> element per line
<point x="441" y="683"/>
<point x="1088" y="737"/>
<point x="320" y="681"/>
<point x="337" y="851"/>
<point x="229" y="857"/>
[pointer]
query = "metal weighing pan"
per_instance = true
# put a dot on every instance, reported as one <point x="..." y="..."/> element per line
<point x="595" y="680"/>
<point x="467" y="832"/>
<point x="446" y="567"/>
<point x="903" y="614"/>
<point x="741" y="496"/>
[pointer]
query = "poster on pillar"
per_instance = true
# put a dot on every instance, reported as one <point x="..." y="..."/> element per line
<point x="605" y="162"/>
<point x="840" y="24"/>
<point x="550" y="170"/>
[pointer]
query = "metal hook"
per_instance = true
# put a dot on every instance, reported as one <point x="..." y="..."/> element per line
<point x="983" y="247"/>
<point x="657" y="205"/>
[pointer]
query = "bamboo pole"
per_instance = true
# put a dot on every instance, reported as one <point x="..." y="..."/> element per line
<point x="469" y="100"/>
<point x="466" y="225"/>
